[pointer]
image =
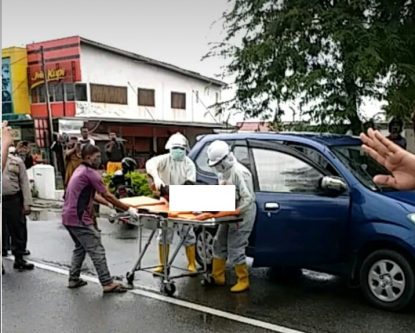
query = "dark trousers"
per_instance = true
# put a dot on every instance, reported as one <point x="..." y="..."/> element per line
<point x="12" y="214"/>
<point x="88" y="240"/>
<point x="6" y="237"/>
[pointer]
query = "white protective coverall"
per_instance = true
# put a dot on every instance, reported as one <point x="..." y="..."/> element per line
<point x="172" y="172"/>
<point x="231" y="240"/>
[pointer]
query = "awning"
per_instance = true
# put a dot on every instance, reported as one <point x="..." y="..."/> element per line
<point x="130" y="121"/>
<point x="95" y="136"/>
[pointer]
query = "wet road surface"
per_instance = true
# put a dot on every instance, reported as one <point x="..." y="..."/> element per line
<point x="314" y="303"/>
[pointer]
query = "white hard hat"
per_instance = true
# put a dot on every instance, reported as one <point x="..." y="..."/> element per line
<point x="217" y="151"/>
<point x="177" y="140"/>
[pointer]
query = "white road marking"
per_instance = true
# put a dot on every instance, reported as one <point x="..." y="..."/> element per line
<point x="153" y="293"/>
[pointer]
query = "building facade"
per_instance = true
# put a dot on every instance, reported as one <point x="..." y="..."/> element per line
<point x="15" y="97"/>
<point x="143" y="100"/>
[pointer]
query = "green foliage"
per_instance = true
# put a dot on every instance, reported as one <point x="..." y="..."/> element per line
<point x="139" y="183"/>
<point x="326" y="54"/>
<point x="106" y="178"/>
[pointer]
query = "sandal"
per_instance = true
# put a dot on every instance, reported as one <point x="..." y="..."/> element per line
<point x="116" y="288"/>
<point x="76" y="283"/>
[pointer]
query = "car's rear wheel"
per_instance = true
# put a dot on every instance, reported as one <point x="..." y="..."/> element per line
<point x="387" y="280"/>
<point x="209" y="234"/>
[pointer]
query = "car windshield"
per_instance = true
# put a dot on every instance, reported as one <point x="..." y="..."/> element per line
<point x="361" y="165"/>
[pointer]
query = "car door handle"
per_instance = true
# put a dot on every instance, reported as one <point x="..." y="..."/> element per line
<point x="272" y="206"/>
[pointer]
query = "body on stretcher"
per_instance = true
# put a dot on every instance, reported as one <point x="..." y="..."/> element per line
<point x="154" y="206"/>
<point x="154" y="215"/>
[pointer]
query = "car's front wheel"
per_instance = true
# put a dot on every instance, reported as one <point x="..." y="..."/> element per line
<point x="209" y="234"/>
<point x="387" y="280"/>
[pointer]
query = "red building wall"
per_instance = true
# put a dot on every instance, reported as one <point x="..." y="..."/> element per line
<point x="62" y="62"/>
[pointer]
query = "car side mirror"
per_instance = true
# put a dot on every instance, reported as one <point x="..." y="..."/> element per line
<point x="333" y="184"/>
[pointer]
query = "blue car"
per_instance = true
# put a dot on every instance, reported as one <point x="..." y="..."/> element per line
<point x="319" y="209"/>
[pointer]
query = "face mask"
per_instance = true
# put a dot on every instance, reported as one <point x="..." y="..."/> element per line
<point x="225" y="165"/>
<point x="219" y="169"/>
<point x="177" y="154"/>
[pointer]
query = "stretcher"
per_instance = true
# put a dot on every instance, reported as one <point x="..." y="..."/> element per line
<point x="155" y="216"/>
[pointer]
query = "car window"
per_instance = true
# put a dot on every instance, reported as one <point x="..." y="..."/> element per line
<point x="317" y="158"/>
<point x="361" y="165"/>
<point x="281" y="172"/>
<point x="202" y="160"/>
<point x="242" y="155"/>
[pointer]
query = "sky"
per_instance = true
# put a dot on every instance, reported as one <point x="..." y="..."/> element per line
<point x="174" y="31"/>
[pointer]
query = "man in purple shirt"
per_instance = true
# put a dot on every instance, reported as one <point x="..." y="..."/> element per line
<point x="84" y="187"/>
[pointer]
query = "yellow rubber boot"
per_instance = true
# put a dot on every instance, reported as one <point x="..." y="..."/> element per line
<point x="243" y="279"/>
<point x="191" y="258"/>
<point x="160" y="268"/>
<point x="218" y="271"/>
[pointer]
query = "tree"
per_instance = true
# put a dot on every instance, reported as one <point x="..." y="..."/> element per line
<point x="399" y="55"/>
<point x="326" y="54"/>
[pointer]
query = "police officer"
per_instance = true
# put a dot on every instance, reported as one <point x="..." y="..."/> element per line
<point x="17" y="199"/>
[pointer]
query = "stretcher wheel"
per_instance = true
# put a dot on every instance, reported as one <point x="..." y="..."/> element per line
<point x="130" y="277"/>
<point x="168" y="288"/>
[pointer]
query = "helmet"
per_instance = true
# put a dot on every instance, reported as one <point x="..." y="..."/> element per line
<point x="128" y="164"/>
<point x="217" y="152"/>
<point x="177" y="140"/>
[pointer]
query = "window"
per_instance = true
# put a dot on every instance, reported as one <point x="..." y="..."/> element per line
<point x="202" y="160"/>
<point x="242" y="155"/>
<point x="80" y="92"/>
<point x="280" y="172"/>
<point x="69" y="91"/>
<point x="55" y="92"/>
<point x="361" y="165"/>
<point x="178" y="100"/>
<point x="216" y="97"/>
<point x="38" y="94"/>
<point x="317" y="158"/>
<point x="108" y="94"/>
<point x="146" y="97"/>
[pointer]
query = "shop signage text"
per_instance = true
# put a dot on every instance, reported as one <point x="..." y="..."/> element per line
<point x="53" y="74"/>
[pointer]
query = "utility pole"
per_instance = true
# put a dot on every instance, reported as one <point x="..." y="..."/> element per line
<point x="45" y="76"/>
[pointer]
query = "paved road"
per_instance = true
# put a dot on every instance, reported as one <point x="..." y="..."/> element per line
<point x="37" y="302"/>
<point x="315" y="303"/>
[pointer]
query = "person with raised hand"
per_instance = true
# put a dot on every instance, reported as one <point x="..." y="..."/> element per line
<point x="398" y="161"/>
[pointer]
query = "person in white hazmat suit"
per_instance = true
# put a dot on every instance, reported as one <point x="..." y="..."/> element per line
<point x="174" y="168"/>
<point x="231" y="240"/>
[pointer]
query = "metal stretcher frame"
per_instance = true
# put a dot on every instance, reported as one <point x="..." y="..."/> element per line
<point x="155" y="222"/>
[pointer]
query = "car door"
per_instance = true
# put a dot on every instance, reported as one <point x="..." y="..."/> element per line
<point x="297" y="223"/>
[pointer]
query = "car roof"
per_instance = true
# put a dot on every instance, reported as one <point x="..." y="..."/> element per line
<point x="327" y="139"/>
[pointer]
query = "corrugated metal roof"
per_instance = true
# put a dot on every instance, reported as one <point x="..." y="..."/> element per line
<point x="153" y="62"/>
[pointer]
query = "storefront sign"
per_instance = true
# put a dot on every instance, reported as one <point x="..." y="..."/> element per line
<point x="53" y="74"/>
